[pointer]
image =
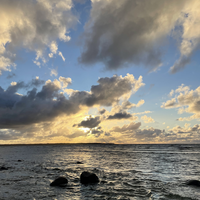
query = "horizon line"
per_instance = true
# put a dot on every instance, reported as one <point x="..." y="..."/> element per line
<point x="97" y="143"/>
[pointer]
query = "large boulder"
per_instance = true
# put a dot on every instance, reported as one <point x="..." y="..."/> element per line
<point x="60" y="181"/>
<point x="88" y="178"/>
<point x="193" y="182"/>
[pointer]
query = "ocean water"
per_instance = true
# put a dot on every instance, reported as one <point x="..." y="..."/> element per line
<point x="135" y="172"/>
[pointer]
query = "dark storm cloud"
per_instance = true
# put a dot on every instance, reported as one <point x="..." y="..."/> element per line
<point x="15" y="86"/>
<point x="120" y="115"/>
<point x="130" y="31"/>
<point x="8" y="98"/>
<point x="108" y="91"/>
<point x="48" y="103"/>
<point x="34" y="107"/>
<point x="91" y="122"/>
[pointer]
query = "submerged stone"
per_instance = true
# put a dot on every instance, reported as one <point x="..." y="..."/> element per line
<point x="193" y="182"/>
<point x="60" y="181"/>
<point x="78" y="162"/>
<point x="87" y="178"/>
<point x="3" y="168"/>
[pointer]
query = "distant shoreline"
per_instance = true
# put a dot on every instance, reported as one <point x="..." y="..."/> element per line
<point x="56" y="144"/>
<point x="36" y="144"/>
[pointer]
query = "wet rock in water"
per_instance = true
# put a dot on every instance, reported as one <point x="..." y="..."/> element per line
<point x="78" y="162"/>
<point x="87" y="178"/>
<point x="56" y="169"/>
<point x="60" y="181"/>
<point x="193" y="182"/>
<point x="3" y="168"/>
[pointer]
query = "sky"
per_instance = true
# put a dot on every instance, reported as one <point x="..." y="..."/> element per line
<point x="109" y="71"/>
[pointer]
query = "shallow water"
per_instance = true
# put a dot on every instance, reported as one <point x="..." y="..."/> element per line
<point x="135" y="172"/>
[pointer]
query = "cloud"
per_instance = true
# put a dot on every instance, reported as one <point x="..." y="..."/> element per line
<point x="187" y="101"/>
<point x="180" y="64"/>
<point x="11" y="75"/>
<point x="132" y="133"/>
<point x="61" y="55"/>
<point x="148" y="133"/>
<point x="186" y="131"/>
<point x="102" y="111"/>
<point x="65" y="81"/>
<point x="109" y="90"/>
<point x="9" y="135"/>
<point x="132" y="32"/>
<point x="54" y="72"/>
<point x="127" y="128"/>
<point x="45" y="112"/>
<point x="182" y="88"/>
<point x="190" y="38"/>
<point x="33" y="25"/>
<point x="96" y="131"/>
<point x="169" y="104"/>
<point x="91" y="122"/>
<point x="37" y="106"/>
<point x="140" y="103"/>
<point x="141" y="113"/>
<point x="34" y="107"/>
<point x="147" y="119"/>
<point x="76" y="134"/>
<point x="36" y="82"/>
<point x="121" y="115"/>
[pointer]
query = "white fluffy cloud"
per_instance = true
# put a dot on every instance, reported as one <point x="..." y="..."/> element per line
<point x="147" y="119"/>
<point x="33" y="25"/>
<point x="187" y="101"/>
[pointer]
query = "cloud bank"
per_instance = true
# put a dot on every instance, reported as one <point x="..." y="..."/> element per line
<point x="50" y="102"/>
<point x="185" y="100"/>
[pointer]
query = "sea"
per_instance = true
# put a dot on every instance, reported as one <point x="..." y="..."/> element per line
<point x="126" y="172"/>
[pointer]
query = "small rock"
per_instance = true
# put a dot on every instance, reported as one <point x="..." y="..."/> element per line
<point x="19" y="161"/>
<point x="3" y="168"/>
<point x="78" y="162"/>
<point x="87" y="178"/>
<point x="193" y="182"/>
<point x="56" y="169"/>
<point x="60" y="181"/>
